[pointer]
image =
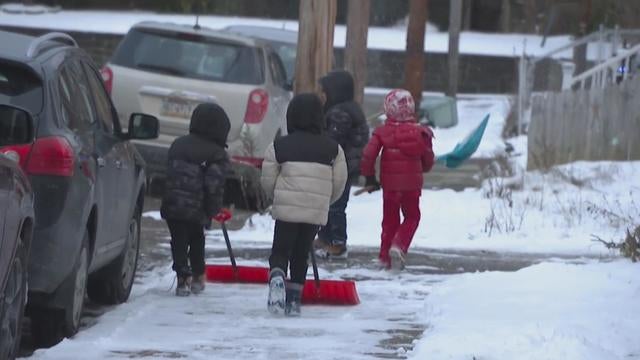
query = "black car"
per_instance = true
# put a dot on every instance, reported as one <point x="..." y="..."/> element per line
<point x="88" y="180"/>
<point x="16" y="227"/>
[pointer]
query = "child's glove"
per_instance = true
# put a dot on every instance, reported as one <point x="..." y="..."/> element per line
<point x="223" y="216"/>
<point x="371" y="184"/>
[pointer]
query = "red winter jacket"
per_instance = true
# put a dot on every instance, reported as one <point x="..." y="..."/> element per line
<point x="406" y="154"/>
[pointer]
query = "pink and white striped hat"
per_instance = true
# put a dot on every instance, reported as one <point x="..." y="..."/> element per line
<point x="399" y="106"/>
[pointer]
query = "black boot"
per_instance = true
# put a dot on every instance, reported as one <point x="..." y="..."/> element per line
<point x="294" y="296"/>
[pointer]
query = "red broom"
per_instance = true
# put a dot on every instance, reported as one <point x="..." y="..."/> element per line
<point x="235" y="273"/>
<point x="328" y="292"/>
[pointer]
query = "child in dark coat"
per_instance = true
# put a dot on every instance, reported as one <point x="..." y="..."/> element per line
<point x="406" y="154"/>
<point x="196" y="173"/>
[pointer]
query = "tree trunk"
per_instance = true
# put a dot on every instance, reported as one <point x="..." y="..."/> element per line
<point x="356" y="47"/>
<point x="315" y="43"/>
<point x="455" y="20"/>
<point x="414" y="64"/>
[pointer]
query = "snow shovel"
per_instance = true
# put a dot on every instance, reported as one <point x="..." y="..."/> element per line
<point x="328" y="292"/>
<point x="235" y="273"/>
<point x="465" y="148"/>
<point x="462" y="152"/>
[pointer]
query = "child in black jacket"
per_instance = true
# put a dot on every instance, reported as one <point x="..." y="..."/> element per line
<point x="196" y="172"/>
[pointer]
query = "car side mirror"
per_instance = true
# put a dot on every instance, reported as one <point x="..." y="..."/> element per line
<point x="143" y="127"/>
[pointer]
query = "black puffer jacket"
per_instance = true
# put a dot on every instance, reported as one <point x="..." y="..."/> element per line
<point x="345" y="120"/>
<point x="198" y="165"/>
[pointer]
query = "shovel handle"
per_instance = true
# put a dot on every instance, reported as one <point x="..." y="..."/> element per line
<point x="316" y="277"/>
<point x="229" y="250"/>
<point x="366" y="189"/>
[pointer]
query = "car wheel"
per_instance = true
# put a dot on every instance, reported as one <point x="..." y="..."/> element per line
<point x="12" y="308"/>
<point x="112" y="285"/>
<point x="49" y="326"/>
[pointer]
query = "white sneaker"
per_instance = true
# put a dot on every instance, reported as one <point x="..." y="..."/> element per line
<point x="277" y="292"/>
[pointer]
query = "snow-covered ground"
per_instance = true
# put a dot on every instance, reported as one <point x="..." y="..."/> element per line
<point x="547" y="311"/>
<point x="392" y="38"/>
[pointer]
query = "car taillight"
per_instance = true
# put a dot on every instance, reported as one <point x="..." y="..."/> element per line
<point x="107" y="78"/>
<point x="51" y="156"/>
<point x="257" y="106"/>
<point x="19" y="153"/>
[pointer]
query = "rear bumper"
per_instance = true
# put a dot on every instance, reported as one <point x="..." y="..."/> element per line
<point x="52" y="256"/>
<point x="61" y="209"/>
<point x="242" y="187"/>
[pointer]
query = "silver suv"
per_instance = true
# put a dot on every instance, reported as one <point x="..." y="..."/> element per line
<point x="167" y="70"/>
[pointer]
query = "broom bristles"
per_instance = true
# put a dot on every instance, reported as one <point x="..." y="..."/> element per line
<point x="331" y="292"/>
<point x="245" y="274"/>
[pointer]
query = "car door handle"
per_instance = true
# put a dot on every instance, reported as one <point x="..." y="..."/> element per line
<point x="101" y="162"/>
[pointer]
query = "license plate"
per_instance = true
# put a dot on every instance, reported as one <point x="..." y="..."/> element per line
<point x="177" y="108"/>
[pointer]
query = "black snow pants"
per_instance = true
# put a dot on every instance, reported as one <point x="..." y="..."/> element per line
<point x="291" y="245"/>
<point x="187" y="247"/>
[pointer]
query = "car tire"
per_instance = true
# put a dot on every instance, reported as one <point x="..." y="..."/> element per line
<point x="12" y="308"/>
<point x="49" y="326"/>
<point x="112" y="285"/>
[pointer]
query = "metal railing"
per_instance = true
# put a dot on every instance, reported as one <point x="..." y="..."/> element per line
<point x="615" y="69"/>
<point x="599" y="74"/>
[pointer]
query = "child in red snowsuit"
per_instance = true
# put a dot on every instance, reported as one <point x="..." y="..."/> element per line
<point x="406" y="154"/>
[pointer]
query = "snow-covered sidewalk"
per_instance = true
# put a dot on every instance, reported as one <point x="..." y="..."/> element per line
<point x="230" y="321"/>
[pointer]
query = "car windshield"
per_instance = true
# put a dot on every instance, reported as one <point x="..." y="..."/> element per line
<point x="20" y="87"/>
<point x="191" y="56"/>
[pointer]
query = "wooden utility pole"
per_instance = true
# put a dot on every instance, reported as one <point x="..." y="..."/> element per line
<point x="455" y="22"/>
<point x="355" y="59"/>
<point x="314" y="59"/>
<point x="414" y="63"/>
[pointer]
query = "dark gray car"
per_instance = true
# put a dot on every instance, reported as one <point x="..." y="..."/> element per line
<point x="16" y="227"/>
<point x="88" y="180"/>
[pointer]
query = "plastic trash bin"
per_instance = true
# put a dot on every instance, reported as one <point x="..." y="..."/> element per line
<point x="441" y="111"/>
